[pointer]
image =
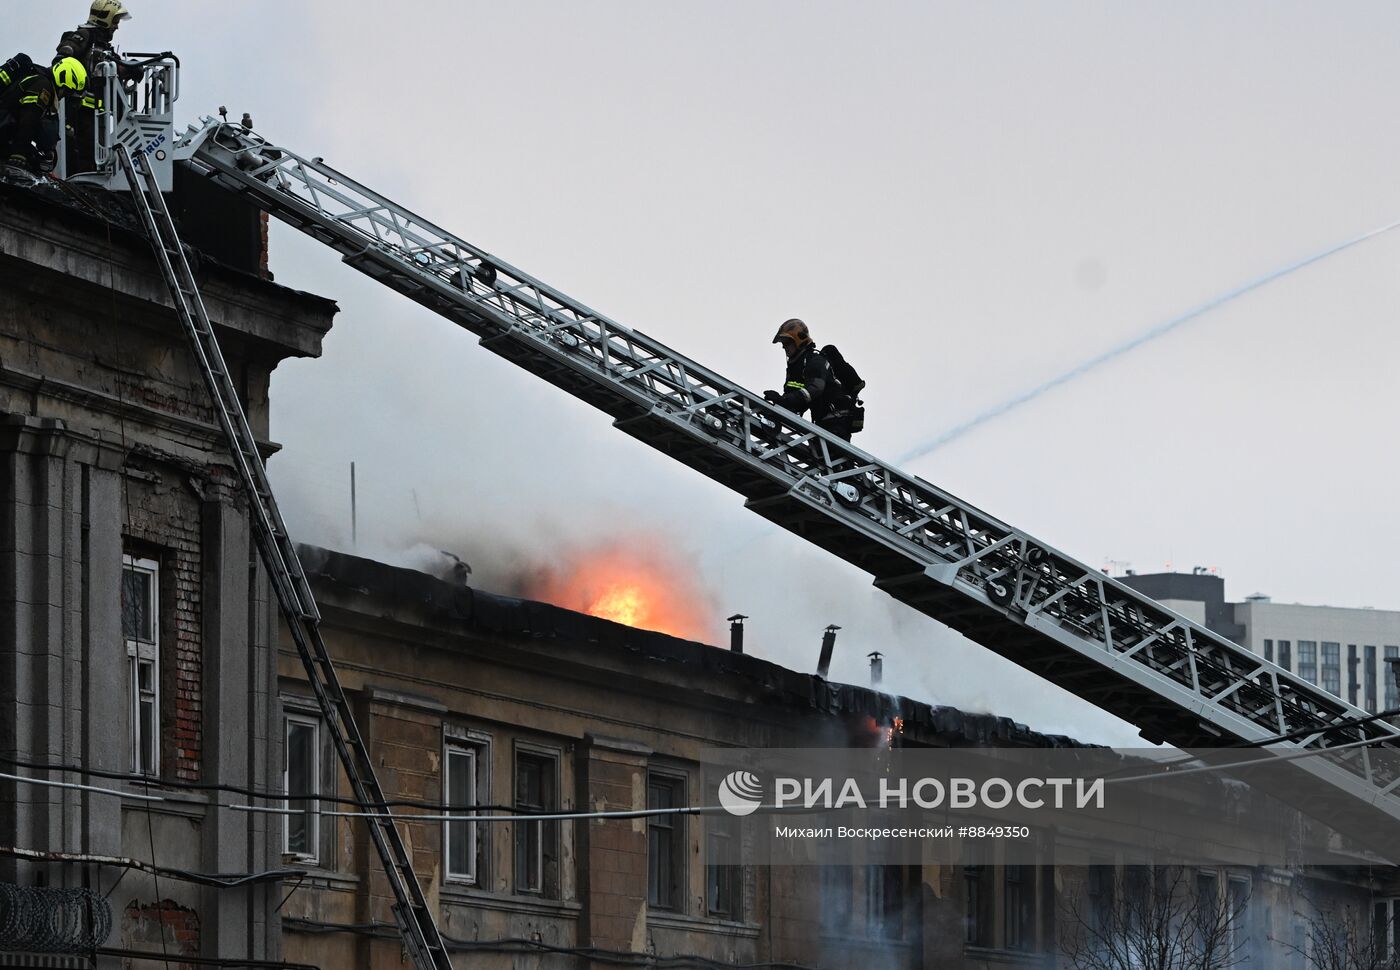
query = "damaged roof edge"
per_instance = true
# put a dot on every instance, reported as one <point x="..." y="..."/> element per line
<point x="83" y="205"/>
<point x="514" y="617"/>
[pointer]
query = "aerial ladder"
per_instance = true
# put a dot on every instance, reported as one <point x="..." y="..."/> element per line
<point x="1177" y="681"/>
<point x="1001" y="587"/>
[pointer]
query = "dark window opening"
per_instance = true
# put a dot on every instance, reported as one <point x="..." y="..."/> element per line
<point x="665" y="842"/>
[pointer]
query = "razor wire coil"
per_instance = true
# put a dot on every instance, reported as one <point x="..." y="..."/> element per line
<point x="52" y="920"/>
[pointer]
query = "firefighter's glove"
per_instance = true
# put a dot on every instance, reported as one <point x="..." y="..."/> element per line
<point x="772" y="397"/>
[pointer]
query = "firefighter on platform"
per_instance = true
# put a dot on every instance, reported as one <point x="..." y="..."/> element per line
<point x="29" y="107"/>
<point x="91" y="44"/>
<point x="810" y="383"/>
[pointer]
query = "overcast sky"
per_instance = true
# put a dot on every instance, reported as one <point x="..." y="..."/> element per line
<point x="968" y="198"/>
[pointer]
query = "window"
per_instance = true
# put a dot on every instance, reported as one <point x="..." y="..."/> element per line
<point x="978" y="901"/>
<point x="1207" y="890"/>
<point x="1101" y="903"/>
<point x="1307" y="660"/>
<point x="723" y="869"/>
<point x="301" y="771"/>
<point x="1368" y="675"/>
<point x="1207" y="913"/>
<point x="1353" y="680"/>
<point x="1383" y="928"/>
<point x="1238" y="899"/>
<point x="1137" y="899"/>
<point x="1285" y="655"/>
<point x="464" y="763"/>
<point x="836" y="898"/>
<point x="665" y="842"/>
<point x="536" y="843"/>
<point x="1387" y="674"/>
<point x="884" y="902"/>
<point x="141" y="631"/>
<point x="1019" y="883"/>
<point x="1332" y="668"/>
<point x="1269" y="650"/>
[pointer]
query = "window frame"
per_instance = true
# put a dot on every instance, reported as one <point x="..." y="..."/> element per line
<point x="677" y="781"/>
<point x="723" y="879"/>
<point x="478" y="747"/>
<point x="1389" y="651"/>
<point x="979" y="906"/>
<point x="1369" y="676"/>
<point x="837" y="898"/>
<point x="143" y="653"/>
<point x="1018" y="908"/>
<point x="885" y="893"/>
<point x="1329" y="667"/>
<point x="1383" y="918"/>
<point x="1308" y="668"/>
<point x="292" y="715"/>
<point x="1101" y="892"/>
<point x="1240" y="917"/>
<point x="547" y="833"/>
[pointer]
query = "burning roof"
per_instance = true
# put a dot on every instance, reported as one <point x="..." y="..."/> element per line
<point x="374" y="588"/>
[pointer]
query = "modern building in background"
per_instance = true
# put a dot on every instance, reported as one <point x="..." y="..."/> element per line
<point x="1341" y="649"/>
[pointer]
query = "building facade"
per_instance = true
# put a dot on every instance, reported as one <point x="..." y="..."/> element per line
<point x="136" y="638"/>
<point x="473" y="699"/>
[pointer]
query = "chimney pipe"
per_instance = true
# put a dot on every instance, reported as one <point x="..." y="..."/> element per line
<point x="461" y="570"/>
<point x="736" y="632"/>
<point x="877" y="668"/>
<point x="828" y="644"/>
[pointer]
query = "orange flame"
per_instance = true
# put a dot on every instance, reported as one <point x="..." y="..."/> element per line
<point x="637" y="586"/>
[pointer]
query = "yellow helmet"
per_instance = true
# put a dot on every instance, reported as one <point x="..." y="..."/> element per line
<point x="793" y="333"/>
<point x="107" y="13"/>
<point x="69" y="74"/>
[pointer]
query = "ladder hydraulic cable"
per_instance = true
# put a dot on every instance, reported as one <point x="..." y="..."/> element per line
<point x="416" y="920"/>
<point x="1063" y="620"/>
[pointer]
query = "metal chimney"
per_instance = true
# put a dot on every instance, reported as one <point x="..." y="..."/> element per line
<point x="828" y="644"/>
<point x="877" y="668"/>
<point x="736" y="632"/>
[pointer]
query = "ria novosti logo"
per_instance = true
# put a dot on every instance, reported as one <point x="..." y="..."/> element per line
<point x="741" y="793"/>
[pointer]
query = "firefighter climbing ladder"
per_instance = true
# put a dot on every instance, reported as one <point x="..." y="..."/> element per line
<point x="1059" y="618"/>
<point x="417" y="923"/>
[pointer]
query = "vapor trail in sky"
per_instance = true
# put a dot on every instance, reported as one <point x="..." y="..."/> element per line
<point x="1159" y="330"/>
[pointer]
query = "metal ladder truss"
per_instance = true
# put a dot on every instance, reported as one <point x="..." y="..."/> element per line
<point x="1063" y="620"/>
<point x="416" y="920"/>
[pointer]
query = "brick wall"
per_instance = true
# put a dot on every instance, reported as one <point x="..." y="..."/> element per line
<point x="163" y="521"/>
<point x="614" y="858"/>
<point x="163" y="928"/>
<point x="406" y="746"/>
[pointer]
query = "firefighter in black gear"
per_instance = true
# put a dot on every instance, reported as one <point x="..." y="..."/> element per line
<point x="810" y="383"/>
<point x="90" y="45"/>
<point x="92" y="42"/>
<point x="28" y="107"/>
<point x="13" y="69"/>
